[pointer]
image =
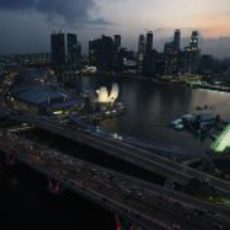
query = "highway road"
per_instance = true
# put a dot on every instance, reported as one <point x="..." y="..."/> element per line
<point x="149" y="205"/>
<point x="175" y="171"/>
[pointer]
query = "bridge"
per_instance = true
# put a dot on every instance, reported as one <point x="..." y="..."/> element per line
<point x="171" y="170"/>
<point x="136" y="204"/>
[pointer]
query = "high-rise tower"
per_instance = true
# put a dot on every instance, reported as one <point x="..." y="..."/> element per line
<point x="117" y="42"/>
<point x="101" y="53"/>
<point x="74" y="50"/>
<point x="58" y="50"/>
<point x="177" y="38"/>
<point x="192" y="53"/>
<point x="141" y="47"/>
<point x="149" y="42"/>
<point x="194" y="43"/>
<point x="149" y="57"/>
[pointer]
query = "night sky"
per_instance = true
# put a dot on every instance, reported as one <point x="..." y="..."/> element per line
<point x="26" y="24"/>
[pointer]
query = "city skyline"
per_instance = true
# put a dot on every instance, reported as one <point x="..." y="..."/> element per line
<point x="89" y="19"/>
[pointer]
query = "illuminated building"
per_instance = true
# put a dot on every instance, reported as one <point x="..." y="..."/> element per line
<point x="106" y="97"/>
<point x="172" y="55"/>
<point x="89" y="69"/>
<point x="44" y="100"/>
<point x="58" y="51"/>
<point x="141" y="50"/>
<point x="191" y="54"/>
<point x="194" y="42"/>
<point x="33" y="59"/>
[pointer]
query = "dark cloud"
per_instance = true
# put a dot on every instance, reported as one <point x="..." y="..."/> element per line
<point x="100" y="21"/>
<point x="16" y="4"/>
<point x="70" y="10"/>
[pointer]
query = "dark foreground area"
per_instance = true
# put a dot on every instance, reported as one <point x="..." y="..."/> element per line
<point x="25" y="203"/>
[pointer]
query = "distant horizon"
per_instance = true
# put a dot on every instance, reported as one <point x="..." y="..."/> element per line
<point x="26" y="24"/>
<point x="207" y="45"/>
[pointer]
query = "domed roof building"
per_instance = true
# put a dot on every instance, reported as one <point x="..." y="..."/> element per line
<point x="106" y="97"/>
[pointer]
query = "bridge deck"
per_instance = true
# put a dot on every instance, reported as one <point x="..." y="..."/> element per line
<point x="144" y="159"/>
<point x="146" y="204"/>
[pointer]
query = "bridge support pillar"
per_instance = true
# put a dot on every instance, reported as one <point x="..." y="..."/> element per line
<point x="125" y="224"/>
<point x="54" y="186"/>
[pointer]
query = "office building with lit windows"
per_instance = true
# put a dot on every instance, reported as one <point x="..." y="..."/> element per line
<point x="192" y="54"/>
<point x="141" y="50"/>
<point x="172" y="55"/>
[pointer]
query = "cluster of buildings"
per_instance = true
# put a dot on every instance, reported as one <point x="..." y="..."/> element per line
<point x="28" y="94"/>
<point x="103" y="52"/>
<point x="65" y="51"/>
<point x="35" y="60"/>
<point x="173" y="60"/>
<point x="31" y="92"/>
<point x="107" y="54"/>
<point x="181" y="61"/>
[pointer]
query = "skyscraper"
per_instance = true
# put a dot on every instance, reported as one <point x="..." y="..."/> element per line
<point x="172" y="55"/>
<point x="93" y="48"/>
<point x="101" y="53"/>
<point x="149" y="42"/>
<point x="117" y="52"/>
<point x="194" y="43"/>
<point x="141" y="47"/>
<point x="58" y="50"/>
<point x="117" y="42"/>
<point x="74" y="51"/>
<point x="177" y="38"/>
<point x="141" y="51"/>
<point x="192" y="53"/>
<point x="149" y="57"/>
<point x="71" y="47"/>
